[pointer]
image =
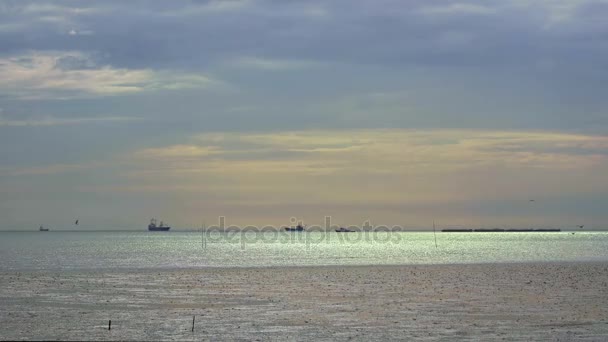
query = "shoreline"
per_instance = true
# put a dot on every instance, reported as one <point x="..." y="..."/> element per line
<point x="517" y="301"/>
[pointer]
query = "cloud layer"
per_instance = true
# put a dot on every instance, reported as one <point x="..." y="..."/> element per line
<point x="72" y="74"/>
<point x="262" y="109"/>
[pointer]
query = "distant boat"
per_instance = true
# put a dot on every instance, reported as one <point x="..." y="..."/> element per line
<point x="160" y="228"/>
<point x="344" y="230"/>
<point x="298" y="228"/>
<point x="42" y="229"/>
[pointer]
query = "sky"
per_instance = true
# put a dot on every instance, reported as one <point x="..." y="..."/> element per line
<point x="398" y="112"/>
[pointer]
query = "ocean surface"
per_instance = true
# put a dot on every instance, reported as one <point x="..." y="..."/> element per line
<point x="55" y="250"/>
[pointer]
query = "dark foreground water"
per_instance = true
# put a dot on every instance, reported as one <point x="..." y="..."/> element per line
<point x="170" y="250"/>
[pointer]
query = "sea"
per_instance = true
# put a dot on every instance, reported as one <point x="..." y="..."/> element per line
<point x="257" y="285"/>
<point x="120" y="250"/>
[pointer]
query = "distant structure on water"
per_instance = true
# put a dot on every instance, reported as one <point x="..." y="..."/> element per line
<point x="498" y="230"/>
<point x="298" y="228"/>
<point x="160" y="228"/>
<point x="42" y="229"/>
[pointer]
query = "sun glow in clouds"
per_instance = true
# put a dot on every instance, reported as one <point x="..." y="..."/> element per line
<point x="264" y="110"/>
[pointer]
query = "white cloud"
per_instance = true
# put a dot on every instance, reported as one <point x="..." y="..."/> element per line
<point x="52" y="9"/>
<point x="74" y="32"/>
<point x="40" y="75"/>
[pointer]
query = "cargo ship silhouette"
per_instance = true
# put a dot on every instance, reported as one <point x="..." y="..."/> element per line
<point x="160" y="228"/>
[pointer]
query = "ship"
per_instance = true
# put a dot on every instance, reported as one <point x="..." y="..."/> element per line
<point x="160" y="228"/>
<point x="344" y="230"/>
<point x="42" y="229"/>
<point x="298" y="228"/>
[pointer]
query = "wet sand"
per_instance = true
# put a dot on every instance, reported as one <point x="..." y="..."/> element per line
<point x="558" y="302"/>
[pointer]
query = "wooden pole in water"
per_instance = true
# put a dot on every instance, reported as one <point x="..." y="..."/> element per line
<point x="110" y="325"/>
<point x="434" y="234"/>
<point x="193" y="317"/>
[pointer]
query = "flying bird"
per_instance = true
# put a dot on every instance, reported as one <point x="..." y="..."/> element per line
<point x="581" y="226"/>
<point x="532" y="200"/>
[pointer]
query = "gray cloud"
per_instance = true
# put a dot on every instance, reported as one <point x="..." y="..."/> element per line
<point x="419" y="32"/>
<point x="72" y="71"/>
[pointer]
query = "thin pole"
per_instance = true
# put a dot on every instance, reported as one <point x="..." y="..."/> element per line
<point x="110" y="325"/>
<point x="434" y="234"/>
<point x="193" y="322"/>
<point x="203" y="240"/>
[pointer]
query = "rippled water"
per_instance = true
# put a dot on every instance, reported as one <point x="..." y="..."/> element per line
<point x="161" y="250"/>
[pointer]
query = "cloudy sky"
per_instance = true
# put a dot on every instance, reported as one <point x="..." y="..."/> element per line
<point x="396" y="111"/>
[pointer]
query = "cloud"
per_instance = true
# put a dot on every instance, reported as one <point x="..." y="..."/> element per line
<point x="73" y="74"/>
<point x="53" y="121"/>
<point x="379" y="174"/>
<point x="271" y="64"/>
<point x="176" y="151"/>
<point x="376" y="104"/>
<point x="457" y="9"/>
<point x="50" y="169"/>
<point x="557" y="11"/>
<point x="202" y="33"/>
<point x="386" y="152"/>
<point x="209" y="7"/>
<point x="74" y="32"/>
<point x="387" y="175"/>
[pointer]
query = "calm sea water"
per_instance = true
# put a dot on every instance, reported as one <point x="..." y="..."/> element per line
<point x="148" y="250"/>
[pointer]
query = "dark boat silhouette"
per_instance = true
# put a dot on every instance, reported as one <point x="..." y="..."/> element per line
<point x="160" y="228"/>
<point x="298" y="228"/>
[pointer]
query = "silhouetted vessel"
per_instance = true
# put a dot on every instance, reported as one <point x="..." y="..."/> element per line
<point x="42" y="229"/>
<point x="160" y="228"/>
<point x="344" y="230"/>
<point x="298" y="228"/>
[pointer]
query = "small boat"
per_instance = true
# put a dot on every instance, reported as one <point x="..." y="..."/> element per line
<point x="344" y="230"/>
<point x="298" y="228"/>
<point x="160" y="228"/>
<point x="42" y="229"/>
